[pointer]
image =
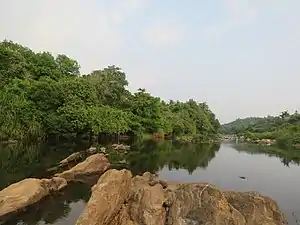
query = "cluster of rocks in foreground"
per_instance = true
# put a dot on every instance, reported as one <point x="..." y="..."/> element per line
<point x="119" y="198"/>
<point x="18" y="196"/>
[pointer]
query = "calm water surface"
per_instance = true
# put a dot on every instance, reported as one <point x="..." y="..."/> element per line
<point x="271" y="172"/>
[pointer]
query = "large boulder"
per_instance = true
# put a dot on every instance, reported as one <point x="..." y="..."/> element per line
<point x="202" y="203"/>
<point x="146" y="205"/>
<point x="108" y="196"/>
<point x="27" y="192"/>
<point x="118" y="199"/>
<point x="255" y="208"/>
<point x="94" y="165"/>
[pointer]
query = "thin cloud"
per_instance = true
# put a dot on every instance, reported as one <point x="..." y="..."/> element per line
<point x="89" y="32"/>
<point x="237" y="13"/>
<point x="163" y="34"/>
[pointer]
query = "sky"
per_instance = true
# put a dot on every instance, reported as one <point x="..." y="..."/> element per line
<point x="242" y="57"/>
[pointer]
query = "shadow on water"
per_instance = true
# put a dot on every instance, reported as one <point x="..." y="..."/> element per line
<point x="19" y="161"/>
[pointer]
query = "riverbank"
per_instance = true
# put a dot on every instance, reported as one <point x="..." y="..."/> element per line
<point x="162" y="206"/>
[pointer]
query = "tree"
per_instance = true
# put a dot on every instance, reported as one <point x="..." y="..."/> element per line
<point x="68" y="67"/>
<point x="110" y="84"/>
<point x="43" y="95"/>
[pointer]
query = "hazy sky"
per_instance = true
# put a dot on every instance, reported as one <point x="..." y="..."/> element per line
<point x="240" y="56"/>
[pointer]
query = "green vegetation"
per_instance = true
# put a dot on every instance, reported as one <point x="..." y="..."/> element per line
<point x="285" y="128"/>
<point x="43" y="95"/>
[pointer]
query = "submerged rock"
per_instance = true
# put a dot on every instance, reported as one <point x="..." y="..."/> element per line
<point x="27" y="192"/>
<point x="118" y="199"/>
<point x="93" y="165"/>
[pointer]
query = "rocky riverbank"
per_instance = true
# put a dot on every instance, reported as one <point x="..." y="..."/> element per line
<point x="18" y="196"/>
<point x="119" y="198"/>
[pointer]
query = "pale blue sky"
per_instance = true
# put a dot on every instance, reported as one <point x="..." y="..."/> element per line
<point x="240" y="56"/>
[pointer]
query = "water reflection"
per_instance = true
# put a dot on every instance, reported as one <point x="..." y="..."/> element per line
<point x="56" y="208"/>
<point x="152" y="156"/>
<point x="21" y="160"/>
<point x="286" y="156"/>
<point x="172" y="161"/>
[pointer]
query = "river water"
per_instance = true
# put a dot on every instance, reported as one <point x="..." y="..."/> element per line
<point x="272" y="172"/>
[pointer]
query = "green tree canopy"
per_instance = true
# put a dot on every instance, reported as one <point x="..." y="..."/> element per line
<point x="42" y="94"/>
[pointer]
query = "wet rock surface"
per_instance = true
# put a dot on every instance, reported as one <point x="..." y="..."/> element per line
<point x="119" y="199"/>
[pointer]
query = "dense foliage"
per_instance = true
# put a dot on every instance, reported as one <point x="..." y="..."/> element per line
<point x="285" y="128"/>
<point x="42" y="95"/>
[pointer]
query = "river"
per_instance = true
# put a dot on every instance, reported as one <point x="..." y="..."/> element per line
<point x="270" y="171"/>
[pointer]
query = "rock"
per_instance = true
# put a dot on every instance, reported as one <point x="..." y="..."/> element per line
<point x="118" y="199"/>
<point x="94" y="164"/>
<point x="146" y="205"/>
<point x="255" y="208"/>
<point x="123" y="161"/>
<point x="73" y="157"/>
<point x="164" y="184"/>
<point x="205" y="204"/>
<point x="123" y="217"/>
<point x="153" y="182"/>
<point x="148" y="176"/>
<point x="103" y="149"/>
<point x="53" y="169"/>
<point x="108" y="195"/>
<point x="91" y="150"/>
<point x="27" y="192"/>
<point x="121" y="147"/>
<point x="202" y="204"/>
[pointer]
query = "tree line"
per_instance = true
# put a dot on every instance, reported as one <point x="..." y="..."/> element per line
<point x="284" y="128"/>
<point x="43" y="95"/>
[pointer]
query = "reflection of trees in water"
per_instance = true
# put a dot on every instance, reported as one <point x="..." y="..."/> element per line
<point x="154" y="155"/>
<point x="287" y="156"/>
<point x="21" y="160"/>
<point x="54" y="207"/>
